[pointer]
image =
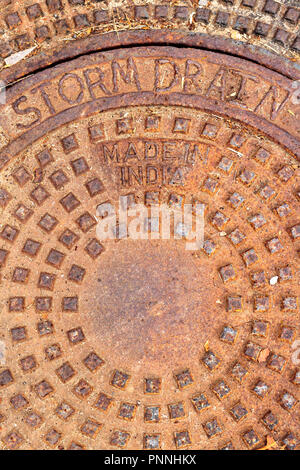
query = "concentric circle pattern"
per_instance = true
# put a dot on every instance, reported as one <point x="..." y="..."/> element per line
<point x="143" y="344"/>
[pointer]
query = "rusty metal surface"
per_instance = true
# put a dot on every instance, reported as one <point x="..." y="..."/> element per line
<point x="269" y="24"/>
<point x="142" y="344"/>
<point x="55" y="30"/>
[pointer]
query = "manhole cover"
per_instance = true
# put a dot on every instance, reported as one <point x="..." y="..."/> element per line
<point x="142" y="343"/>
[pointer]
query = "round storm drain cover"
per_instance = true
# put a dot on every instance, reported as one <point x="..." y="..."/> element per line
<point x="149" y="233"/>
